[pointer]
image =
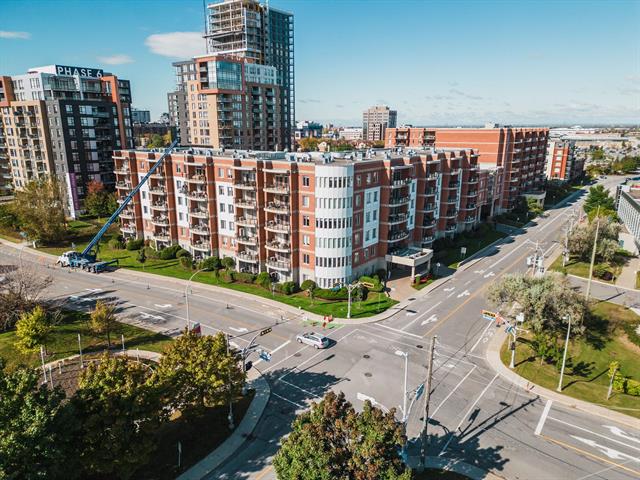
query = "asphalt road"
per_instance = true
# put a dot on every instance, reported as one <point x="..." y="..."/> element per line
<point x="475" y="415"/>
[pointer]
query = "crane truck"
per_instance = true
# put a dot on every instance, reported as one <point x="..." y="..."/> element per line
<point x="86" y="259"/>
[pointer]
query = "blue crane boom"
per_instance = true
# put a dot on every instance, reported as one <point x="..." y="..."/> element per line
<point x="112" y="218"/>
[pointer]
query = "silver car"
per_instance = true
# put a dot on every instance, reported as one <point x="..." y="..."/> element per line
<point x="314" y="339"/>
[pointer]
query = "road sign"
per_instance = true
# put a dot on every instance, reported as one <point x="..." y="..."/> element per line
<point x="463" y="250"/>
<point x="487" y="315"/>
<point x="419" y="391"/>
<point x="368" y="284"/>
<point x="520" y="317"/>
<point x="265" y="331"/>
<point x="197" y="329"/>
<point x="264" y="355"/>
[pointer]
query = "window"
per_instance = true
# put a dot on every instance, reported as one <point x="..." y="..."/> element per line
<point x="375" y="196"/>
<point x="230" y="191"/>
<point x="223" y="224"/>
<point x="230" y="209"/>
<point x="305" y="201"/>
<point x="358" y="180"/>
<point x="222" y="207"/>
<point x="357" y="200"/>
<point x="368" y="198"/>
<point x="180" y="216"/>
<point x="221" y="190"/>
<point x="305" y="258"/>
<point x="220" y="172"/>
<point x="229" y="173"/>
<point x="356" y="257"/>
<point x="305" y="181"/>
<point x="368" y="217"/>
<point x="305" y="220"/>
<point x="180" y="201"/>
<point x="144" y="195"/>
<point x="357" y="221"/>
<point x="306" y="240"/>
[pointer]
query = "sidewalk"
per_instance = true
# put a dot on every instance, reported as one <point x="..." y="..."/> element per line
<point x="453" y="465"/>
<point x="205" y="467"/>
<point x="627" y="278"/>
<point x="493" y="358"/>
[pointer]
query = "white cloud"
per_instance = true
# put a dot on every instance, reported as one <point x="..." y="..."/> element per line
<point x="117" y="59"/>
<point x="15" y="35"/>
<point x="176" y="44"/>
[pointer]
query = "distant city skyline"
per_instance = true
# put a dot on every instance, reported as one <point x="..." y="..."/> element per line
<point x="436" y="63"/>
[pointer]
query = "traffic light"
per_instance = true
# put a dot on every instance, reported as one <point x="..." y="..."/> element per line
<point x="265" y="331"/>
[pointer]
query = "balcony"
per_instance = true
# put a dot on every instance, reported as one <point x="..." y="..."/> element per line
<point x="429" y="207"/>
<point x="127" y="213"/>
<point x="283" y="265"/>
<point x="201" y="246"/>
<point x="396" y="218"/>
<point x="451" y="200"/>
<point x="472" y="180"/>
<point x="278" y="246"/>
<point x="198" y="195"/>
<point x="469" y="206"/>
<point x="395" y="201"/>
<point x="245" y="185"/>
<point x="162" y="236"/>
<point x="197" y="179"/>
<point x="277" y="227"/>
<point x="248" y="204"/>
<point x="278" y="189"/>
<point x="276" y="207"/>
<point x="247" y="240"/>
<point x="160" y="221"/>
<point x="429" y="223"/>
<point x="452" y="186"/>
<point x="159" y="206"/>
<point x="158" y="190"/>
<point x="428" y="239"/>
<point x="450" y="214"/>
<point x="470" y="219"/>
<point x="128" y="229"/>
<point x="159" y="175"/>
<point x="450" y="228"/>
<point x="122" y="171"/>
<point x="472" y="193"/>
<point x="246" y="221"/>
<point x="248" y="257"/>
<point x="199" y="213"/>
<point x="200" y="229"/>
<point x="430" y="191"/>
<point x="397" y="236"/>
<point x="403" y="182"/>
<point x="123" y="185"/>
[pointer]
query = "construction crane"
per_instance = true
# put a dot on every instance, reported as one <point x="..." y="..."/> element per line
<point x="86" y="259"/>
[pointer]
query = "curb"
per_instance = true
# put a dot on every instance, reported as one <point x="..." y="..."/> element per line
<point x="493" y="358"/>
<point x="458" y="466"/>
<point x="205" y="467"/>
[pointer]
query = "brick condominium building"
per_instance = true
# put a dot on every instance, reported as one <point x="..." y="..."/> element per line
<point x="326" y="217"/>
<point x="520" y="152"/>
<point x="562" y="162"/>
<point x="63" y="121"/>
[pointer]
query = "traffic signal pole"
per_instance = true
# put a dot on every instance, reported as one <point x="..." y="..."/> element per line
<point x="425" y="423"/>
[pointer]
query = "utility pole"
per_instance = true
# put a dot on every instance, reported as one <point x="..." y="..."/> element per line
<point x="400" y="353"/>
<point x="230" y="416"/>
<point x="565" y="254"/>
<point x="564" y="356"/>
<point x="425" y="422"/>
<point x="593" y="253"/>
<point x="350" y="288"/>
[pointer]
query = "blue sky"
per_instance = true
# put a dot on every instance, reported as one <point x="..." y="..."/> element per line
<point x="437" y="62"/>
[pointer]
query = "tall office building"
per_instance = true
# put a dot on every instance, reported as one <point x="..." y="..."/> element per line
<point x="64" y="121"/>
<point x="376" y="120"/>
<point x="262" y="35"/>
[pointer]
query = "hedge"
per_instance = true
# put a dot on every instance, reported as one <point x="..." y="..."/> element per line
<point x="170" y="253"/>
<point x="264" y="280"/>
<point x="244" y="277"/>
<point x="135" y="244"/>
<point x="210" y="263"/>
<point x="375" y="281"/>
<point x="328" y="294"/>
<point x="308" y="285"/>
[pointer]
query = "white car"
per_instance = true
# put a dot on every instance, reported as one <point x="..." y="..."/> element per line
<point x="314" y="339"/>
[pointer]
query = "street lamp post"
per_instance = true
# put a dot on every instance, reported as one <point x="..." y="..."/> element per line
<point x="564" y="356"/>
<point x="406" y="369"/>
<point x="186" y="294"/>
<point x="350" y="288"/>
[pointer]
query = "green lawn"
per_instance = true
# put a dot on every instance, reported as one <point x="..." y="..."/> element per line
<point x="64" y="340"/>
<point x="581" y="269"/>
<point x="451" y="255"/>
<point x="588" y="361"/>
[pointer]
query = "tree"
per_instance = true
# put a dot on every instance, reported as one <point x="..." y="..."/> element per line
<point x="544" y="301"/>
<point x="118" y="410"/>
<point x="22" y="290"/>
<point x="309" y="144"/>
<point x="33" y="422"/>
<point x="142" y="257"/>
<point x="228" y="263"/>
<point x="103" y="320"/>
<point x="200" y="372"/>
<point x="533" y="207"/>
<point x="582" y="238"/>
<point x="40" y="209"/>
<point x="32" y="330"/>
<point x="98" y="201"/>
<point x="332" y="440"/>
<point x="159" y="141"/>
<point x="599" y="197"/>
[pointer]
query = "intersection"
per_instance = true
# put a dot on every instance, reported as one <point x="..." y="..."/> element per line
<point x="475" y="414"/>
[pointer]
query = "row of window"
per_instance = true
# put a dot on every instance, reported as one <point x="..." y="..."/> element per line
<point x="334" y="222"/>
<point x="333" y="262"/>
<point x="340" y="242"/>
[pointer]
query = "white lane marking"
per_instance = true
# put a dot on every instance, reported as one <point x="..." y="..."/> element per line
<point x="467" y="282"/>
<point x="431" y="319"/>
<point x="162" y="305"/>
<point x="396" y="330"/>
<point x="597" y="434"/>
<point x="479" y="272"/>
<point x="421" y="315"/>
<point x="411" y="314"/>
<point x="543" y="417"/>
<point x="304" y="407"/>
<point x="490" y="274"/>
<point x="239" y="330"/>
<point x="466" y="293"/>
<point x="148" y="316"/>
<point x="484" y="332"/>
<point x="609" y="452"/>
<point x="282" y="345"/>
<point x="621" y="433"/>
<point x="308" y="392"/>
<point x="93" y="290"/>
<point x="450" y="289"/>
<point x="363" y="398"/>
<point x="599" y="472"/>
<point x="466" y="415"/>
<point x="453" y="391"/>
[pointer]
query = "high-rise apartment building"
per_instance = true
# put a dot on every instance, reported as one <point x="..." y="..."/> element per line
<point x="376" y="120"/>
<point x="262" y="35"/>
<point x="140" y="116"/>
<point x="328" y="217"/>
<point x="562" y="162"/>
<point x="520" y="152"/>
<point x="64" y="121"/>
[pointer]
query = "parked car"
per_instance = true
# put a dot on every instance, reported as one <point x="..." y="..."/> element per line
<point x="314" y="339"/>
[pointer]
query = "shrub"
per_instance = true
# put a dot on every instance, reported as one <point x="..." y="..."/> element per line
<point x="116" y="244"/>
<point x="328" y="294"/>
<point x="289" y="287"/>
<point x="244" y="277"/>
<point x="375" y="281"/>
<point x="186" y="262"/>
<point x="211" y="263"/>
<point x="228" y="263"/>
<point x="135" y="244"/>
<point x="264" y="280"/>
<point x="417" y="279"/>
<point x="308" y="285"/>
<point x="600" y="271"/>
<point x="228" y="276"/>
<point x="632" y="329"/>
<point x="382" y="274"/>
<point x="170" y="253"/>
<point x="183" y="253"/>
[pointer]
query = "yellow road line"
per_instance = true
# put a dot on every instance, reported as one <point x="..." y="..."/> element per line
<point x="596" y="457"/>
<point x="264" y="472"/>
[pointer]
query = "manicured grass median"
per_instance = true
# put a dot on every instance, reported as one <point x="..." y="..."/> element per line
<point x="586" y="374"/>
<point x="64" y="340"/>
<point x="581" y="269"/>
<point x="452" y="256"/>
